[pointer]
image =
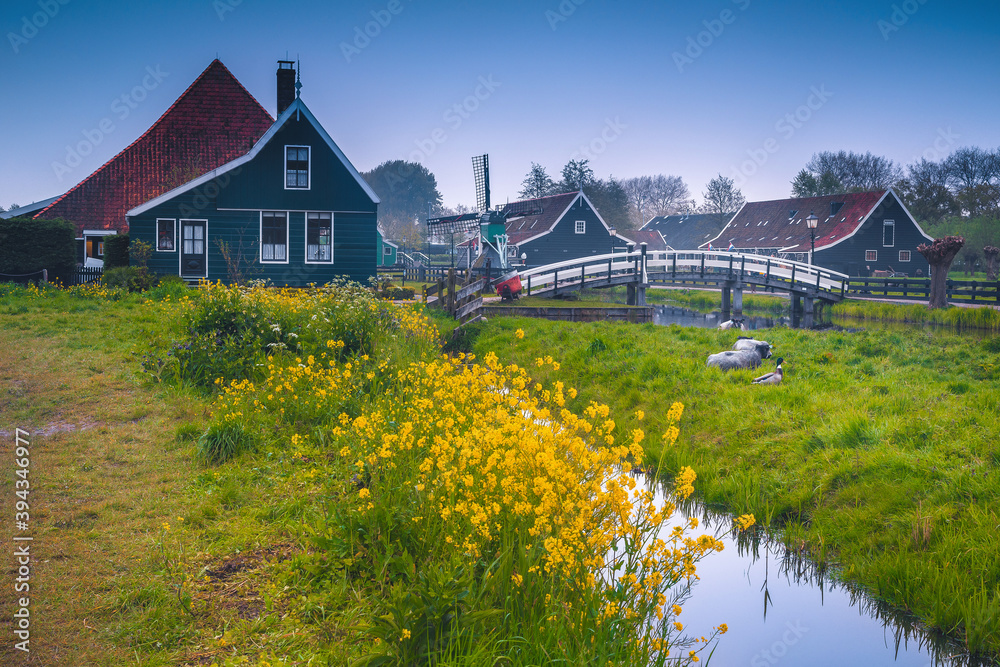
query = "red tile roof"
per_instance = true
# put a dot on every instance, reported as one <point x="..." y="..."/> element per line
<point x="214" y="121"/>
<point x="531" y="217"/>
<point x="771" y="224"/>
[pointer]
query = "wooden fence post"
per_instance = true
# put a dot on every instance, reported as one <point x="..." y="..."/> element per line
<point x="451" y="291"/>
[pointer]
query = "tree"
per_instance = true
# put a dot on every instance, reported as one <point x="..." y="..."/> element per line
<point x="856" y="172"/>
<point x="970" y="167"/>
<point x="406" y="189"/>
<point x="639" y="191"/>
<point x="576" y="175"/>
<point x="656" y="195"/>
<point x="537" y="183"/>
<point x="806" y="184"/>
<point x="925" y="192"/>
<point x="990" y="252"/>
<point x="983" y="199"/>
<point x="722" y="199"/>
<point x="940" y="255"/>
<point x="611" y="201"/>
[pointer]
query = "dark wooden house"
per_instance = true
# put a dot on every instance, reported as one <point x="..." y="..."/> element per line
<point x="857" y="233"/>
<point x="214" y="121"/>
<point x="687" y="231"/>
<point x="293" y="210"/>
<point x="555" y="229"/>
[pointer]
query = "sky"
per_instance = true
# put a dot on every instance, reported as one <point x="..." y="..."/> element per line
<point x="744" y="88"/>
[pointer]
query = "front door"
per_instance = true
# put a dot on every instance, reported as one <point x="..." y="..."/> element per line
<point x="193" y="260"/>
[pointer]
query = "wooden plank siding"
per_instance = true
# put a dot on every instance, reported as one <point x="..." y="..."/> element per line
<point x="232" y="203"/>
<point x="849" y="256"/>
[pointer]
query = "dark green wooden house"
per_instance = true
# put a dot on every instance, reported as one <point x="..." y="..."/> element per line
<point x="387" y="251"/>
<point x="293" y="210"/>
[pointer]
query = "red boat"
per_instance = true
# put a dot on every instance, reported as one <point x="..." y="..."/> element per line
<point x="509" y="286"/>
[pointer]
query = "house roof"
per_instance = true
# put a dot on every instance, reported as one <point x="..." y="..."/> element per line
<point x="28" y="209"/>
<point x="296" y="107"/>
<point x="652" y="238"/>
<point x="781" y="223"/>
<point x="215" y="120"/>
<point x="530" y="218"/>
<point x="686" y="231"/>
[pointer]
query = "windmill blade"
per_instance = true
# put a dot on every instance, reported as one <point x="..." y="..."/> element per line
<point x="481" y="170"/>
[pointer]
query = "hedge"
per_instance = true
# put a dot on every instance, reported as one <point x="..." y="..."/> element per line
<point x="28" y="246"/>
<point x="115" y="251"/>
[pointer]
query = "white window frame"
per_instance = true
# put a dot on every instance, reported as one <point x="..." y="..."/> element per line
<point x="889" y="223"/>
<point x="386" y="250"/>
<point x="581" y="227"/>
<point x="902" y="253"/>
<point x="305" y="245"/>
<point x="874" y="255"/>
<point x="261" y="237"/>
<point x="173" y="235"/>
<point x="284" y="172"/>
<point x="180" y="253"/>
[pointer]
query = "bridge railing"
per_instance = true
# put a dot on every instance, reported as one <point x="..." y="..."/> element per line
<point x="799" y="275"/>
<point x="724" y="266"/>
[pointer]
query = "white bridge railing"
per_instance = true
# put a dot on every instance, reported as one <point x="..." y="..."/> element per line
<point x="672" y="265"/>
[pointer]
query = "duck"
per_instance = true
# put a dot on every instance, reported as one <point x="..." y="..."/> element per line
<point x="770" y="378"/>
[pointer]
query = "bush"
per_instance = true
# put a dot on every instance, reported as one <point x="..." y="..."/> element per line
<point x="28" y="246"/>
<point x="116" y="251"/>
<point x="132" y="278"/>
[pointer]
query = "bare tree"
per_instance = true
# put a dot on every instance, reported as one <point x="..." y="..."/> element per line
<point x="537" y="183"/>
<point x="670" y="195"/>
<point x="856" y="172"/>
<point x="639" y="191"/>
<point x="970" y="167"/>
<point x="940" y="255"/>
<point x="722" y="199"/>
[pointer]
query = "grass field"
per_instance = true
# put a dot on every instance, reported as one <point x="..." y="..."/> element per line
<point x="876" y="455"/>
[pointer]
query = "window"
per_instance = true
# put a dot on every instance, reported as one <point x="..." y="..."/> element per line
<point x="871" y="255"/>
<point x="319" y="228"/>
<point x="512" y="251"/>
<point x="165" y="235"/>
<point x="296" y="167"/>
<point x="273" y="237"/>
<point x="387" y="250"/>
<point x="904" y="255"/>
<point x="100" y="248"/>
<point x="581" y="226"/>
<point x="888" y="233"/>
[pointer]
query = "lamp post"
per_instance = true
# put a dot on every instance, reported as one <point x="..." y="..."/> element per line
<point x="811" y="222"/>
<point x="524" y="259"/>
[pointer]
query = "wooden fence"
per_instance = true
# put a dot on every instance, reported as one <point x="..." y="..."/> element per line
<point x="461" y="301"/>
<point x="959" y="291"/>
<point x="87" y="274"/>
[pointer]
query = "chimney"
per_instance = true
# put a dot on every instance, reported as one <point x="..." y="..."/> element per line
<point x="286" y="84"/>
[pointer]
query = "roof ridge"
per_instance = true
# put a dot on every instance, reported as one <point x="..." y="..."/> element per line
<point x="152" y="127"/>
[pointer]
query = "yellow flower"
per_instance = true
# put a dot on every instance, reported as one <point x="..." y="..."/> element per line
<point x="519" y="333"/>
<point x="679" y="626"/>
<point x="166" y="526"/>
<point x="723" y="628"/>
<point x="364" y="493"/>
<point x="405" y="634"/>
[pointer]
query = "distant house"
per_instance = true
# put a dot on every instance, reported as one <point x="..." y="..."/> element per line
<point x="555" y="229"/>
<point x="857" y="233"/>
<point x="214" y="121"/>
<point x="686" y="231"/>
<point x="293" y="210"/>
<point x="387" y="251"/>
<point x="653" y="239"/>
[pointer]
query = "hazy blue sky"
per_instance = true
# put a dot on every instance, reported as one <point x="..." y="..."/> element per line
<point x="747" y="88"/>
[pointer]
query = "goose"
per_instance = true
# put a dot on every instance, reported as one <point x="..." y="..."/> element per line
<point x="770" y="378"/>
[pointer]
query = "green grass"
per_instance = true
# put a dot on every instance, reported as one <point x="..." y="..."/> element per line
<point x="878" y="450"/>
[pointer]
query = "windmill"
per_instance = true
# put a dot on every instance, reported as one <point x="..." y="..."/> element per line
<point x="489" y="226"/>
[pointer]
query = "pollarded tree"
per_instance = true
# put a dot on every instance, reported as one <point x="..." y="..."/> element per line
<point x="940" y="255"/>
<point x="990" y="252"/>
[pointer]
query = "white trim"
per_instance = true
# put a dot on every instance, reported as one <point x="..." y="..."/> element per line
<point x="260" y="232"/>
<point x="100" y="232"/>
<point x="889" y="223"/>
<point x="180" y="251"/>
<point x="875" y="252"/>
<point x="297" y="106"/>
<point x="909" y="256"/>
<point x="305" y="238"/>
<point x="284" y="155"/>
<point x="298" y="210"/>
<point x="580" y="227"/>
<point x="173" y="235"/>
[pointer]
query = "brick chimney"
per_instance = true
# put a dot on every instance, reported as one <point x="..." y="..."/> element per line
<point x="286" y="84"/>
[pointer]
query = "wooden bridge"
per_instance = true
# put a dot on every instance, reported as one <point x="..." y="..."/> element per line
<point x="809" y="286"/>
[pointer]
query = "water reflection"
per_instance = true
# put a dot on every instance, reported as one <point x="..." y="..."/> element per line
<point x="686" y="317"/>
<point x="783" y="608"/>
